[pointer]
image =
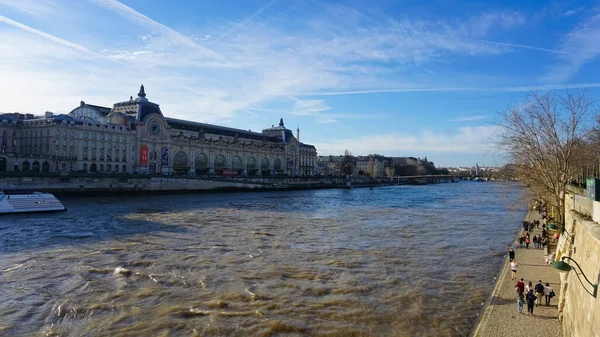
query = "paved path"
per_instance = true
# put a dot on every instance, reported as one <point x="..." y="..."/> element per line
<point x="502" y="318"/>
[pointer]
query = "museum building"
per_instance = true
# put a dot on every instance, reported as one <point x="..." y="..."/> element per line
<point x="135" y="137"/>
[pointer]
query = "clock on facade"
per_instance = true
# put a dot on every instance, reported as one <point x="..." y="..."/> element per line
<point x="154" y="128"/>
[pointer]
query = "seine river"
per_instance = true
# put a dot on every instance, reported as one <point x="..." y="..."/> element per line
<point x="393" y="261"/>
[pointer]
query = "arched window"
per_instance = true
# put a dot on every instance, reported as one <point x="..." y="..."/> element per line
<point x="108" y="168"/>
<point x="85" y="167"/>
<point x="117" y="168"/>
<point x="236" y="163"/>
<point x="181" y="159"/>
<point x="101" y="167"/>
<point x="124" y="169"/>
<point x="63" y="167"/>
<point x="25" y="166"/>
<point x="35" y="167"/>
<point x="251" y="163"/>
<point x="93" y="167"/>
<point x="3" y="164"/>
<point x="277" y="164"/>
<point x="220" y="162"/>
<point x="46" y="166"/>
<point x="201" y="161"/>
<point x="264" y="164"/>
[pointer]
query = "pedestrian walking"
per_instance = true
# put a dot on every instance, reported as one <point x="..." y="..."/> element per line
<point x="520" y="302"/>
<point x="520" y="287"/>
<point x="521" y="240"/>
<point x="549" y="293"/>
<point x="511" y="254"/>
<point x="535" y="242"/>
<point x="527" y="242"/>
<point x="530" y="297"/>
<point x="513" y="268"/>
<point x="539" y="291"/>
<point x="529" y="287"/>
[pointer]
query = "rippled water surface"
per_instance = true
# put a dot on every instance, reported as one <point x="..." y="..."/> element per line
<point x="394" y="261"/>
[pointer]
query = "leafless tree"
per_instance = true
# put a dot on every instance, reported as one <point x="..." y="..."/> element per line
<point x="390" y="171"/>
<point x="371" y="167"/>
<point x="547" y="140"/>
<point x="348" y="163"/>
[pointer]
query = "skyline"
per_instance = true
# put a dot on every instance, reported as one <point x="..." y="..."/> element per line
<point x="399" y="79"/>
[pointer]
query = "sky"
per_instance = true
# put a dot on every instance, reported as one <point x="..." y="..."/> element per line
<point x="398" y="78"/>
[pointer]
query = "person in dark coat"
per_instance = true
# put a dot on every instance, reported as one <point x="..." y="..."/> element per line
<point x="530" y="298"/>
<point x="511" y="254"/>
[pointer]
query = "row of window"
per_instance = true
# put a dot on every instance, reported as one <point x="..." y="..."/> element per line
<point x="26" y="166"/>
<point x="220" y="162"/>
<point x="71" y="134"/>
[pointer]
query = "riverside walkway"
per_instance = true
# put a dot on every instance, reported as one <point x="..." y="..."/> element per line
<point x="502" y="318"/>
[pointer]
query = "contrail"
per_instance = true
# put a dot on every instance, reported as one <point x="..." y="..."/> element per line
<point x="255" y="14"/>
<point x="47" y="36"/>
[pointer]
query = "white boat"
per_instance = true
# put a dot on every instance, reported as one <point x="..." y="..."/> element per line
<point x="26" y="203"/>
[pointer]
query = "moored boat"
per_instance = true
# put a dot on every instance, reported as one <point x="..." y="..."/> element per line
<point x="28" y="203"/>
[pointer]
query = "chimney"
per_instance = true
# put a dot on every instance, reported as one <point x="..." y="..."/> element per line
<point x="298" y="133"/>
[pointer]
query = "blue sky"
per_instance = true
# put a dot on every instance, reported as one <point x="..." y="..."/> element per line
<point x="407" y="78"/>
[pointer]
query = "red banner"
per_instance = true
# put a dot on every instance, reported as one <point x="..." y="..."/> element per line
<point x="144" y="155"/>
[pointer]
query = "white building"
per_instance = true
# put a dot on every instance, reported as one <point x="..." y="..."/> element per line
<point x="135" y="137"/>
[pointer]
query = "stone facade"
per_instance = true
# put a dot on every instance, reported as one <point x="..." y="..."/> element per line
<point x="135" y="137"/>
<point x="579" y="311"/>
<point x="379" y="165"/>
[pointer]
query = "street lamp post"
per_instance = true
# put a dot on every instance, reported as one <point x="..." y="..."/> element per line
<point x="553" y="226"/>
<point x="565" y="267"/>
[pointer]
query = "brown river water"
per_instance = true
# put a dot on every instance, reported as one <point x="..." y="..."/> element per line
<point x="393" y="261"/>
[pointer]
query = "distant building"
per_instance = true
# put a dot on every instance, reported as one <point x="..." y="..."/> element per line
<point x="135" y="137"/>
<point x="379" y="165"/>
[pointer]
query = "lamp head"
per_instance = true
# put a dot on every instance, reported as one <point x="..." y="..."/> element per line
<point x="552" y="226"/>
<point x="561" y="266"/>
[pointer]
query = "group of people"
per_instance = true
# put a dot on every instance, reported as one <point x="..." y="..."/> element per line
<point x="528" y="293"/>
<point x="539" y="241"/>
<point x="532" y="294"/>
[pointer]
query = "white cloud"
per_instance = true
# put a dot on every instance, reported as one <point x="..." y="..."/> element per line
<point x="581" y="45"/>
<point x="50" y="37"/>
<point x="476" y="139"/>
<point x="574" y="11"/>
<point x="213" y="78"/>
<point x="469" y="118"/>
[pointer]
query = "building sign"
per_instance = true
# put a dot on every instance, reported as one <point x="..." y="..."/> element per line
<point x="164" y="157"/>
<point x="144" y="155"/>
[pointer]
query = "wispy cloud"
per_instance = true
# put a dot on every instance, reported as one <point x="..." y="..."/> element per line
<point x="47" y="36"/>
<point x="468" y="119"/>
<point x="464" y="140"/>
<point x="330" y="50"/>
<point x="457" y="89"/>
<point x="582" y="46"/>
<point x="243" y="22"/>
<point x="521" y="46"/>
<point x="167" y="32"/>
<point x="574" y="11"/>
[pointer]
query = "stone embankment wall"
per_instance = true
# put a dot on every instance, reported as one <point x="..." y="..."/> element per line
<point x="133" y="183"/>
<point x="579" y="311"/>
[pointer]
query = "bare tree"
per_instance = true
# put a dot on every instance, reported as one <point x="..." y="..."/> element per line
<point x="546" y="138"/>
<point x="371" y="167"/>
<point x="390" y="171"/>
<point x="348" y="163"/>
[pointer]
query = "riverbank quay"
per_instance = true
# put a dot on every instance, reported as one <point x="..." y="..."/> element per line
<point x="501" y="317"/>
<point x="116" y="184"/>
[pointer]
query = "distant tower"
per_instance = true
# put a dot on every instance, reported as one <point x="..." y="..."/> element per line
<point x="280" y="121"/>
<point x="298" y="133"/>
<point x="142" y="93"/>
